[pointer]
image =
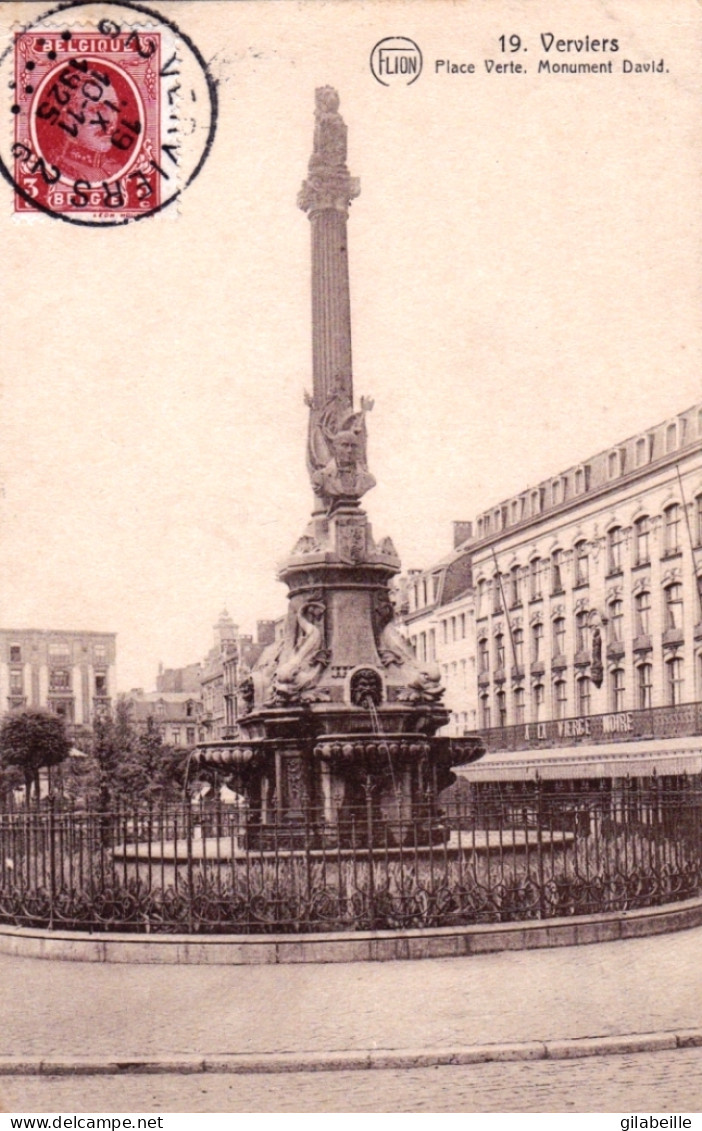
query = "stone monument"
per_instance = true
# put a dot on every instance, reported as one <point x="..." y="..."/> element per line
<point x="338" y="717"/>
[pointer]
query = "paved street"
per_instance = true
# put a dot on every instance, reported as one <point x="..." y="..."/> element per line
<point x="55" y="1009"/>
<point x="645" y="1082"/>
<point x="89" y="1009"/>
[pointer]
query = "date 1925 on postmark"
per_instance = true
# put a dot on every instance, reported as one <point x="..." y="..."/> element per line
<point x="110" y="118"/>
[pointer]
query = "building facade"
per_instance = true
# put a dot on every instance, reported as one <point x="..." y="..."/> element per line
<point x="437" y="610"/>
<point x="177" y="714"/>
<point x="587" y="600"/>
<point x="71" y="674"/>
<point x="232" y="654"/>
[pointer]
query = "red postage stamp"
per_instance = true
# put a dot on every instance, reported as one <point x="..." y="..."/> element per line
<point x="88" y="122"/>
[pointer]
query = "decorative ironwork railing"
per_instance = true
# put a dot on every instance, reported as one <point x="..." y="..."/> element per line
<point x="511" y="855"/>
<point x="616" y="726"/>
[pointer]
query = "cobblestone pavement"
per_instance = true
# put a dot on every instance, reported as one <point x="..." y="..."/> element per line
<point x="644" y="1082"/>
<point x="91" y="1009"/>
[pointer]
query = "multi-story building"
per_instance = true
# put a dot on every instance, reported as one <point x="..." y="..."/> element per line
<point x="69" y="673"/>
<point x="177" y="714"/>
<point x="588" y="616"/>
<point x="437" y="610"/>
<point x="233" y="652"/>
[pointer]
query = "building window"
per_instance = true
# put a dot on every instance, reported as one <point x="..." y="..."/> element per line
<point x="190" y="736"/>
<point x="175" y="736"/>
<point x="59" y="679"/>
<point x="500" y="651"/>
<point x="641" y="446"/>
<point x="559" y="632"/>
<point x="671" y="516"/>
<point x="101" y="685"/>
<point x="642" y="540"/>
<point x="518" y="643"/>
<point x="496" y="594"/>
<point x="615" y="539"/>
<point x="616" y="685"/>
<point x="15" y="654"/>
<point x="539" y="697"/>
<point x="515" y="586"/>
<point x="501" y="709"/>
<point x="16" y="682"/>
<point x="674" y="606"/>
<point x="99" y="654"/>
<point x="582" y="691"/>
<point x="642" y="612"/>
<point x="582" y="571"/>
<point x="644" y="684"/>
<point x="483" y="656"/>
<point x="671" y="438"/>
<point x="519" y="704"/>
<point x="60" y="653"/>
<point x="537" y="639"/>
<point x="560" y="699"/>
<point x="675" y="680"/>
<point x="616" y="621"/>
<point x="613" y="464"/>
<point x="557" y="571"/>
<point x="582" y="632"/>
<point x="481" y="607"/>
<point x="535" y="579"/>
<point x="485" y="712"/>
<point x="432" y="644"/>
<point x="462" y="619"/>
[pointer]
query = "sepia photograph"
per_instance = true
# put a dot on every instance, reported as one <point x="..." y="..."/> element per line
<point x="351" y="557"/>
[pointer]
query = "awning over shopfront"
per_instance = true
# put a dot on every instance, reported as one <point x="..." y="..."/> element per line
<point x="666" y="757"/>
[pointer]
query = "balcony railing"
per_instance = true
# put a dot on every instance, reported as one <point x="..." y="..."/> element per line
<point x="583" y="730"/>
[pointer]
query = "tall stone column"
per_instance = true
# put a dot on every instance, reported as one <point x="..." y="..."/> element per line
<point x="336" y="444"/>
<point x="325" y="196"/>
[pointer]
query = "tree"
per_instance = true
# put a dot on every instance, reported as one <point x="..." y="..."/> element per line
<point x="31" y="740"/>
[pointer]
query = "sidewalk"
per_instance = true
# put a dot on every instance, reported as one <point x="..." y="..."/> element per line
<point x="91" y="1012"/>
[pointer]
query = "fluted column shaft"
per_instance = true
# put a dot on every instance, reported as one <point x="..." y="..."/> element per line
<point x="331" y="305"/>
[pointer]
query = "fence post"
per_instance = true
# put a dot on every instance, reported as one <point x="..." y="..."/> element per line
<point x="52" y="861"/>
<point x="189" y="844"/>
<point x="540" y="849"/>
<point x="370" y="835"/>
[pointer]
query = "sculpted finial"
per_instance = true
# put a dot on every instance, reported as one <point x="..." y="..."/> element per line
<point x="329" y="184"/>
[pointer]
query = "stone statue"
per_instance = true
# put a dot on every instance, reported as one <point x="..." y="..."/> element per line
<point x="330" y="132"/>
<point x="344" y="476"/>
<point x="300" y="670"/>
<point x="423" y="681"/>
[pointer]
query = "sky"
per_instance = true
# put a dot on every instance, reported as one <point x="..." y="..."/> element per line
<point x="525" y="279"/>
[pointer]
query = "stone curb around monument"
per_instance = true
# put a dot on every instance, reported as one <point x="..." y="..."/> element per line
<point x="349" y="946"/>
<point x="356" y="1060"/>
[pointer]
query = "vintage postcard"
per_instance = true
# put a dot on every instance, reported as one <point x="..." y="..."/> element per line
<point x="366" y="333"/>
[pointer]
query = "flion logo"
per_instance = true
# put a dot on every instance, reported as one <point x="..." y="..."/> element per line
<point x="396" y="61"/>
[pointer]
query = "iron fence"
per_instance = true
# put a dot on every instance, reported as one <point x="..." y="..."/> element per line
<point x="536" y="854"/>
